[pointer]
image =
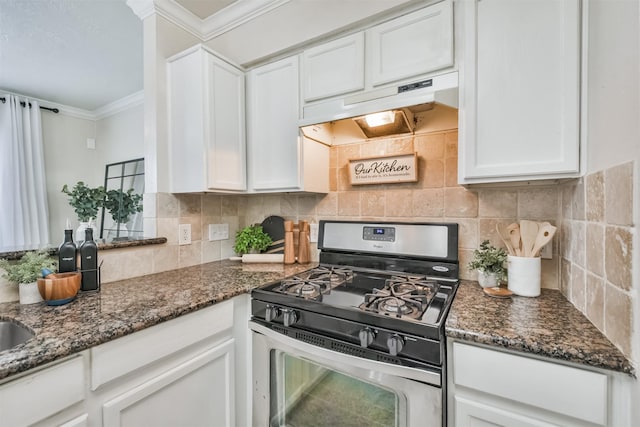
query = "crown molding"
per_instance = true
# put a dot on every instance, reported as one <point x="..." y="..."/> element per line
<point x="205" y="29"/>
<point x="119" y="105"/>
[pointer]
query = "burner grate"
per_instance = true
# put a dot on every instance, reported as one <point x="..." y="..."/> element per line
<point x="401" y="297"/>
<point x="314" y="283"/>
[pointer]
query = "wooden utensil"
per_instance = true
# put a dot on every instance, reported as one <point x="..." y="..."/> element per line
<point x="303" y="245"/>
<point x="546" y="232"/>
<point x="514" y="235"/>
<point x="504" y="235"/>
<point x="289" y="254"/>
<point x="528" y="233"/>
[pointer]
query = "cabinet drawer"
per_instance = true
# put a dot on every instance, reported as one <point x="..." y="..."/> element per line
<point x="47" y="392"/>
<point x="570" y="391"/>
<point x="119" y="357"/>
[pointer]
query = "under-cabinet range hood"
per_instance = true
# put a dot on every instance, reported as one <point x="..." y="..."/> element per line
<point x="383" y="112"/>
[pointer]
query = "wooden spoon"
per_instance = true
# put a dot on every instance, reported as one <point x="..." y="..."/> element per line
<point x="504" y="235"/>
<point x="528" y="233"/>
<point x="546" y="232"/>
<point x="514" y="234"/>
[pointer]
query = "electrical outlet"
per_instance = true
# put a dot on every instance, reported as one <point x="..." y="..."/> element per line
<point x="547" y="251"/>
<point x="184" y="234"/>
<point x="313" y="232"/>
<point x="218" y="232"/>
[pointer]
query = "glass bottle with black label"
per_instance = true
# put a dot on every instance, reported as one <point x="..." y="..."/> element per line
<point x="89" y="262"/>
<point x="67" y="254"/>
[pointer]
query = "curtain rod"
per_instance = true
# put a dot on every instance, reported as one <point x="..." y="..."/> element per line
<point x="54" y="110"/>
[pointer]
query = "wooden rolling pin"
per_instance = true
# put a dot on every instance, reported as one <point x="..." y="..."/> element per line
<point x="303" y="245"/>
<point x="289" y="252"/>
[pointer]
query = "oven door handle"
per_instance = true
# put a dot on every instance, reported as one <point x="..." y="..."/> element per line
<point x="337" y="358"/>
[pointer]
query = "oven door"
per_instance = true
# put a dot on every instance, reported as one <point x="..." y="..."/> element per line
<point x="299" y="384"/>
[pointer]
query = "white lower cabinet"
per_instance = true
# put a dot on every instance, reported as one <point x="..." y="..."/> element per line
<point x="497" y="388"/>
<point x="198" y="392"/>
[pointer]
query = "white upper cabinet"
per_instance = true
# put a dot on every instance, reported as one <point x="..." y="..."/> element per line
<point x="519" y="92"/>
<point x="206" y="123"/>
<point x="333" y="68"/>
<point x="411" y="45"/>
<point x="279" y="159"/>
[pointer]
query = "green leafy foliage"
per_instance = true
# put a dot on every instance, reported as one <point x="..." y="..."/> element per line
<point x="28" y="268"/>
<point x="84" y="200"/>
<point x="122" y="204"/>
<point x="489" y="259"/>
<point x="251" y="237"/>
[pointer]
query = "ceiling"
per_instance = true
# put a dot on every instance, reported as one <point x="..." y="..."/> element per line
<point x="204" y="8"/>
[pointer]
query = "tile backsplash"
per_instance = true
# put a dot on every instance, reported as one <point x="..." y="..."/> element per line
<point x="597" y="250"/>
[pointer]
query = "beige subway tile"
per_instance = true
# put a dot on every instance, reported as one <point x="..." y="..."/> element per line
<point x="190" y="205"/>
<point x="307" y="205"/>
<point x="432" y="173"/>
<point x="595" y="301"/>
<point x="565" y="277"/>
<point x="289" y="205"/>
<point x="333" y="156"/>
<point x="349" y="203"/>
<point x="464" y="258"/>
<point x="400" y="146"/>
<point x="229" y="205"/>
<point x="372" y="203"/>
<point x="498" y="203"/>
<point x="344" y="179"/>
<point x="577" y="202"/>
<point x="618" y="256"/>
<point x="595" y="197"/>
<point x="168" y="205"/>
<point x="567" y="200"/>
<point x="549" y="274"/>
<point x="374" y="148"/>
<point x="460" y="202"/>
<point x="578" y="243"/>
<point x="430" y="146"/>
<point x="211" y="251"/>
<point x="487" y="230"/>
<point x="467" y="232"/>
<point x="168" y="227"/>
<point x="399" y="203"/>
<point x="347" y="152"/>
<point x="618" y="318"/>
<point x="451" y="172"/>
<point x="538" y="203"/>
<point x="328" y="205"/>
<point x="595" y="249"/>
<point x="619" y="194"/>
<point x="578" y="287"/>
<point x="189" y="255"/>
<point x="211" y="205"/>
<point x="563" y="235"/>
<point x="120" y="264"/>
<point x="333" y="179"/>
<point x="427" y="202"/>
<point x="451" y="145"/>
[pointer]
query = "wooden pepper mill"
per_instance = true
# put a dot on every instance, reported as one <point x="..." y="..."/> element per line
<point x="289" y="251"/>
<point x="303" y="244"/>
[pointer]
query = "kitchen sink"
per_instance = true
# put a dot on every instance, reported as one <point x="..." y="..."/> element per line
<point x="13" y="334"/>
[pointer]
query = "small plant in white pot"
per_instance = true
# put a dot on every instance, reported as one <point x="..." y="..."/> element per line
<point x="251" y="239"/>
<point x="25" y="273"/>
<point x="489" y="261"/>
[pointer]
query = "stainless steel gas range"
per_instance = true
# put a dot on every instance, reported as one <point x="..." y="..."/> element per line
<point x="359" y="340"/>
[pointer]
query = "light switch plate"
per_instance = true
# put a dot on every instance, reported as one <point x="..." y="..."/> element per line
<point x="184" y="234"/>
<point x="313" y="232"/>
<point x="218" y="232"/>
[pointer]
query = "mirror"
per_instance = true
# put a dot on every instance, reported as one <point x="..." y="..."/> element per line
<point x="122" y="217"/>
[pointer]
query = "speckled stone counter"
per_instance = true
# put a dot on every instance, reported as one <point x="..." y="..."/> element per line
<point x="127" y="306"/>
<point x="547" y="326"/>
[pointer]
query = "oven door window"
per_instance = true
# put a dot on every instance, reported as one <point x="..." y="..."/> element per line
<point x="306" y="394"/>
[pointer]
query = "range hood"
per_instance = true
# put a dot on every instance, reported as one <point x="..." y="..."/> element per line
<point x="392" y="107"/>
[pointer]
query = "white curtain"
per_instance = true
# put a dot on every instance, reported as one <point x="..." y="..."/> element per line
<point x="24" y="214"/>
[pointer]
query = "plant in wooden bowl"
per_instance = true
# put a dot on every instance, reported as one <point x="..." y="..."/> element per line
<point x="251" y="239"/>
<point x="26" y="271"/>
<point x="489" y="261"/>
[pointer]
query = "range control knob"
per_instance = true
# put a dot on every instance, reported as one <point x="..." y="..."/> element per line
<point x="271" y="312"/>
<point x="289" y="317"/>
<point x="366" y="336"/>
<point x="395" y="344"/>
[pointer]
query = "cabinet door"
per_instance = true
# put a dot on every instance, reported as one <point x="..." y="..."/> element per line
<point x="411" y="45"/>
<point x="476" y="414"/>
<point x="520" y="90"/>
<point x="333" y="68"/>
<point x="226" y="130"/>
<point x="196" y="393"/>
<point x="273" y="141"/>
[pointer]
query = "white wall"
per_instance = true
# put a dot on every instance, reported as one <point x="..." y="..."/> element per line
<point x="613" y="124"/>
<point x="67" y="161"/>
<point x="120" y="137"/>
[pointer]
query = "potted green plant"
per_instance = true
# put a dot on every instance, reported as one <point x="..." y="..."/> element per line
<point x="122" y="204"/>
<point x="25" y="273"/>
<point x="251" y="238"/>
<point x="86" y="202"/>
<point x="489" y="261"/>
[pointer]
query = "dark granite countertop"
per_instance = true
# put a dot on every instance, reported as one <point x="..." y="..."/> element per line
<point x="547" y="326"/>
<point x="127" y="306"/>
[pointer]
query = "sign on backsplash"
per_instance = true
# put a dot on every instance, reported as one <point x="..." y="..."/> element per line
<point x="384" y="170"/>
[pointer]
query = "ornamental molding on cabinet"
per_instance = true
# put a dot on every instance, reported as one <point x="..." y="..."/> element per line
<point x="384" y="170"/>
